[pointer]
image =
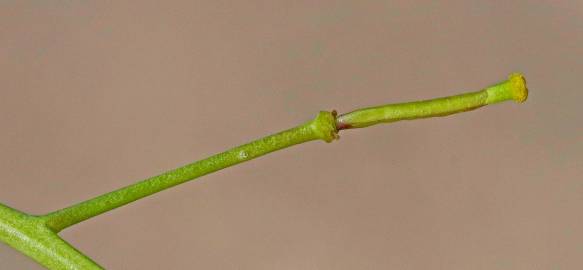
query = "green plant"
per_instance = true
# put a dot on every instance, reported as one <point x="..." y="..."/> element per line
<point x="37" y="236"/>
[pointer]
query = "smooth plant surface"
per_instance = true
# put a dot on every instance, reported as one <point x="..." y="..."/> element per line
<point x="37" y="236"/>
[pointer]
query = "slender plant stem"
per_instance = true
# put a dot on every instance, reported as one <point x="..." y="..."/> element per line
<point x="512" y="89"/>
<point x="322" y="127"/>
<point x="36" y="236"/>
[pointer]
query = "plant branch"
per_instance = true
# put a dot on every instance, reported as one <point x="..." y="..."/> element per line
<point x="36" y="236"/>
<point x="322" y="127"/>
<point x="512" y="89"/>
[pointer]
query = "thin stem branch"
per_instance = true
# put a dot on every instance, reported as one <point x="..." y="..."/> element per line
<point x="325" y="127"/>
<point x="322" y="127"/>
<point x="36" y="236"/>
<point x="512" y="89"/>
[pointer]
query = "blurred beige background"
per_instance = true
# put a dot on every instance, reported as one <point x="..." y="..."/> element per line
<point x="95" y="96"/>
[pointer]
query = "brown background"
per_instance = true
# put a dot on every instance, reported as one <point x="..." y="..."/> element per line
<point x="95" y="96"/>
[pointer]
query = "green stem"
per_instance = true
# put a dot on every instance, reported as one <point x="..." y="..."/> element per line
<point x="30" y="235"/>
<point x="322" y="127"/>
<point x="512" y="89"/>
<point x="36" y="236"/>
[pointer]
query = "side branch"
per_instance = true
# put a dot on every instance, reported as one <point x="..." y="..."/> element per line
<point x="512" y="89"/>
<point x="36" y="236"/>
<point x="325" y="127"/>
<point x="322" y="127"/>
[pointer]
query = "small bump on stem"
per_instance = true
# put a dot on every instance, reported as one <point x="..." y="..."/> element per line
<point x="324" y="126"/>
